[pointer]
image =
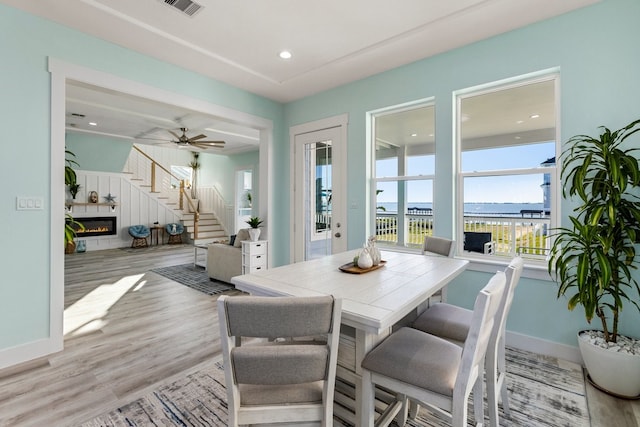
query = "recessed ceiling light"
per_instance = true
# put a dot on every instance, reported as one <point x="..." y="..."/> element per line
<point x="414" y="134"/>
<point x="520" y="122"/>
<point x="534" y="116"/>
<point x="285" y="54"/>
<point x="93" y="124"/>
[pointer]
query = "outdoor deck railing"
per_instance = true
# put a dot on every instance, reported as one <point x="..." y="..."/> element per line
<point x="512" y="235"/>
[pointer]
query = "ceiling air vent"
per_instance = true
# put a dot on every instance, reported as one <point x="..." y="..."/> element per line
<point x="187" y="7"/>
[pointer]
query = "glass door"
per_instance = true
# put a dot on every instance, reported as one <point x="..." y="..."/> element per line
<point x="318" y="188"/>
<point x="318" y="227"/>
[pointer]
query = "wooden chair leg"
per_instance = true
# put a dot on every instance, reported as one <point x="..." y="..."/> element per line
<point x="414" y="408"/>
<point x="139" y="242"/>
<point x="478" y="403"/>
<point x="368" y="398"/>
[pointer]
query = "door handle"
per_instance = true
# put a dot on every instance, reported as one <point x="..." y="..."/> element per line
<point x="338" y="234"/>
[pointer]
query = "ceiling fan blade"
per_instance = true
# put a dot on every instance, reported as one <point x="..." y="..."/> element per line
<point x="194" y="138"/>
<point x="200" y="145"/>
<point x="210" y="142"/>
<point x="177" y="137"/>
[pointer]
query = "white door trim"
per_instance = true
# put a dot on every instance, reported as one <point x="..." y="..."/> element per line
<point x="340" y="121"/>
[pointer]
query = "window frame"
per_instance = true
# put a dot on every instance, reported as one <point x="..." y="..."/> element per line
<point x="374" y="179"/>
<point x="555" y="183"/>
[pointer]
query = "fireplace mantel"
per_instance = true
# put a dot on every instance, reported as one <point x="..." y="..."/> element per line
<point x="69" y="205"/>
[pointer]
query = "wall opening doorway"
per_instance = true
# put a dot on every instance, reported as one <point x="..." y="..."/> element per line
<point x="244" y="198"/>
<point x="61" y="72"/>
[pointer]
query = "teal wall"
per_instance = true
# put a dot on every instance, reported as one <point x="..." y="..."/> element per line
<point x="96" y="153"/>
<point x="27" y="42"/>
<point x="595" y="49"/>
<point x="221" y="170"/>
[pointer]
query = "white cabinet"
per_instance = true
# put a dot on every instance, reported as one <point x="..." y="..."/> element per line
<point x="254" y="256"/>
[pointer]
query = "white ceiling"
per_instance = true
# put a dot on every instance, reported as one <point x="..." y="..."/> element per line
<point x="139" y="120"/>
<point x="333" y="42"/>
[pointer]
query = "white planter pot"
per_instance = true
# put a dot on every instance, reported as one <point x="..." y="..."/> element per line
<point x="618" y="373"/>
<point x="254" y="234"/>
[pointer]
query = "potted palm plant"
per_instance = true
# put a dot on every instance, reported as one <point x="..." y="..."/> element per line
<point x="254" y="232"/>
<point x="195" y="167"/>
<point x="70" y="231"/>
<point x="70" y="179"/>
<point x="593" y="259"/>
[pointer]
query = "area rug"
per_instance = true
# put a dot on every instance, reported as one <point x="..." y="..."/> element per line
<point x="543" y="392"/>
<point x="194" y="277"/>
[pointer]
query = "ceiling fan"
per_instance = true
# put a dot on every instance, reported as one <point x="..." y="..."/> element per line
<point x="194" y="141"/>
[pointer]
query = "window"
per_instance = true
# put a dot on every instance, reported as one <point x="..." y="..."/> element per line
<point x="181" y="173"/>
<point x="404" y="170"/>
<point x="507" y="176"/>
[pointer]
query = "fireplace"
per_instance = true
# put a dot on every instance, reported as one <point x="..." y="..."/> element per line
<point x="96" y="226"/>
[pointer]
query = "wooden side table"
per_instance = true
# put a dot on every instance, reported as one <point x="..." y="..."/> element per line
<point x="157" y="229"/>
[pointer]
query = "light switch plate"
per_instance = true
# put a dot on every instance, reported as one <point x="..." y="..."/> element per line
<point x="28" y="203"/>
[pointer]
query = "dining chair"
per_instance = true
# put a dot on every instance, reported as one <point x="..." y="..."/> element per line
<point x="454" y="323"/>
<point x="443" y="247"/>
<point x="273" y="373"/>
<point x="438" y="245"/>
<point x="431" y="370"/>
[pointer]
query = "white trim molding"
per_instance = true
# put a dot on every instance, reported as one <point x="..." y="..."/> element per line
<point x="544" y="347"/>
<point x="61" y="71"/>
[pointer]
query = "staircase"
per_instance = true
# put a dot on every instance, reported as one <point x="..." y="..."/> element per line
<point x="209" y="229"/>
<point x="154" y="179"/>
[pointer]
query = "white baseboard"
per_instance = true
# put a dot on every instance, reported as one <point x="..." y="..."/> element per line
<point x="27" y="352"/>
<point x="544" y="347"/>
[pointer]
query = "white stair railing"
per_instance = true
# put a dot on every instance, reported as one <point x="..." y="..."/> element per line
<point x="211" y="200"/>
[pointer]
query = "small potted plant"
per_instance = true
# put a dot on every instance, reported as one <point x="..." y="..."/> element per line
<point x="74" y="189"/>
<point x="254" y="232"/>
<point x="593" y="259"/>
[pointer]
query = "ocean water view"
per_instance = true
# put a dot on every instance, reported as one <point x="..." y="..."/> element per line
<point x="475" y="209"/>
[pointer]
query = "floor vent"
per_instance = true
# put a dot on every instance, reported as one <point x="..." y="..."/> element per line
<point x="187" y="7"/>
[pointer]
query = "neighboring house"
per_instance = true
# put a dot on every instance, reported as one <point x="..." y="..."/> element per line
<point x="594" y="49"/>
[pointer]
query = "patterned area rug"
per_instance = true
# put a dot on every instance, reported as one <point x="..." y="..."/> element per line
<point x="194" y="277"/>
<point x="543" y="392"/>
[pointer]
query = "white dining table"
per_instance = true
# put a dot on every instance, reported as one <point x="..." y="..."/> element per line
<point x="372" y="302"/>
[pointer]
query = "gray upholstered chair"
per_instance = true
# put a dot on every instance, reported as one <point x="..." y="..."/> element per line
<point x="285" y="377"/>
<point x="443" y="247"/>
<point x="453" y="323"/>
<point x="431" y="370"/>
<point x="438" y="246"/>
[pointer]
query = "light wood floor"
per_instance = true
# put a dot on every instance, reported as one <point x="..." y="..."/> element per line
<point x="127" y="329"/>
